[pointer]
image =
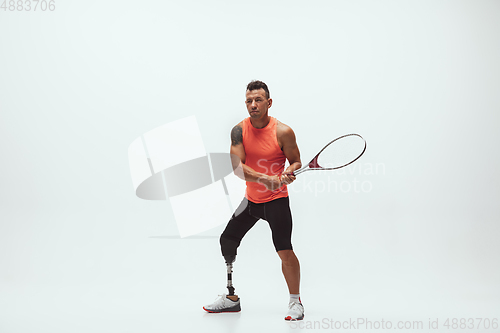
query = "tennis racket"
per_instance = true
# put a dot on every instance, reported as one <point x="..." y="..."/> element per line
<point x="337" y="154"/>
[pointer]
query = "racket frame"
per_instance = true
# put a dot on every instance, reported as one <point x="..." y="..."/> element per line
<point x="313" y="165"/>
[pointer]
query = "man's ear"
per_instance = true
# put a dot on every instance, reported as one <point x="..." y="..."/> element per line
<point x="270" y="100"/>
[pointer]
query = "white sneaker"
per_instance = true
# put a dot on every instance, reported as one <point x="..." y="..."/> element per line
<point x="223" y="304"/>
<point x="295" y="311"/>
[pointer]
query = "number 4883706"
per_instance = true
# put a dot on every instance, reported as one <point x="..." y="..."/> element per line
<point x="28" y="5"/>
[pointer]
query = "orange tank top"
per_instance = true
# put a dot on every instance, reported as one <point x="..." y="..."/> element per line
<point x="264" y="155"/>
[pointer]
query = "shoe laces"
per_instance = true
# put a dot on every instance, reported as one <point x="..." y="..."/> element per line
<point x="295" y="304"/>
<point x="219" y="301"/>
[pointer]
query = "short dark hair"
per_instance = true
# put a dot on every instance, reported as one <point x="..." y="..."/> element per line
<point x="256" y="85"/>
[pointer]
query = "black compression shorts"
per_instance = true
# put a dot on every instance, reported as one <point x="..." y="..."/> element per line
<point x="276" y="213"/>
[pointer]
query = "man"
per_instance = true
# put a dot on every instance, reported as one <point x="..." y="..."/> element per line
<point x="261" y="144"/>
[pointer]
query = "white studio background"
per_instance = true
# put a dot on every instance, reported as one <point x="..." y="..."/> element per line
<point x="410" y="232"/>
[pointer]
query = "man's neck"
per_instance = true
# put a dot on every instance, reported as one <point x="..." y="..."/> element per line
<point x="260" y="123"/>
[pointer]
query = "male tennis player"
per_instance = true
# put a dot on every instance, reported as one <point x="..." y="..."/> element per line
<point x="262" y="144"/>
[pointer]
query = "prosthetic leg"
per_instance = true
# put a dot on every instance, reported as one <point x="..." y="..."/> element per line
<point x="229" y="302"/>
<point x="229" y="266"/>
<point x="230" y="287"/>
<point x="228" y="249"/>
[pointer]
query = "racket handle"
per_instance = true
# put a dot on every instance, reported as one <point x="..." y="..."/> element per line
<point x="296" y="172"/>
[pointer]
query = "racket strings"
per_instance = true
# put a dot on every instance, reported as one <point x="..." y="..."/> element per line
<point x="341" y="152"/>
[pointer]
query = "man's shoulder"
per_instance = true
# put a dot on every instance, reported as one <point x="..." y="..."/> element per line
<point x="238" y="127"/>
<point x="283" y="129"/>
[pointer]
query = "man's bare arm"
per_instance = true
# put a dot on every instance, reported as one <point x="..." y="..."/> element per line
<point x="238" y="158"/>
<point x="291" y="151"/>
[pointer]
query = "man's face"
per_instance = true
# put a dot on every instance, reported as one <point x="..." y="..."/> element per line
<point x="257" y="103"/>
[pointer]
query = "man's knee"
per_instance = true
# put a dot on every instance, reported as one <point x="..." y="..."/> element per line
<point x="228" y="248"/>
<point x="287" y="255"/>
